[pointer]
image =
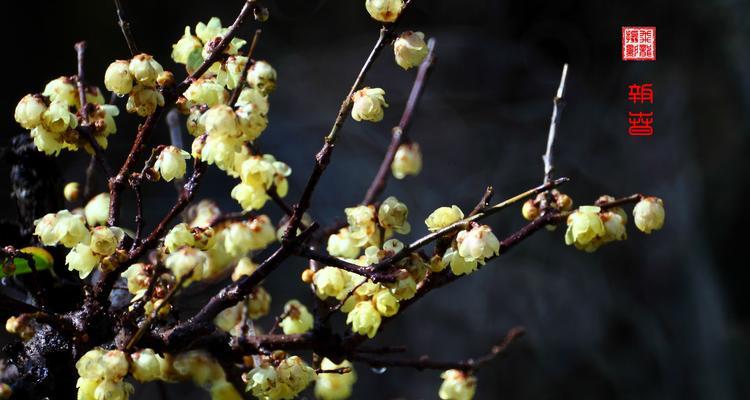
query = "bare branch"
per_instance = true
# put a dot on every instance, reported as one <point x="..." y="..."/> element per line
<point x="125" y="27"/>
<point x="558" y="105"/>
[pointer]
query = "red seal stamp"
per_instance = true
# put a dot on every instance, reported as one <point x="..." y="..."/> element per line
<point x="639" y="43"/>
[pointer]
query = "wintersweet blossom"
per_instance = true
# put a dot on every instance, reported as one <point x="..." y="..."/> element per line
<point x="443" y="217"/>
<point x="410" y="49"/>
<point x="407" y="161"/>
<point x="368" y="104"/>
<point x="457" y="385"/>
<point x="171" y="163"/>
<point x="648" y="214"/>
<point x="335" y="386"/>
<point x="297" y="320"/>
<point x="477" y="244"/>
<point x="364" y="319"/>
<point x="384" y="10"/>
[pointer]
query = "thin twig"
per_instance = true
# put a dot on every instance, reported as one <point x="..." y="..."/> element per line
<point x="11" y="252"/>
<point x="557" y="108"/>
<point x="400" y="132"/>
<point x="125" y="27"/>
<point x="243" y="76"/>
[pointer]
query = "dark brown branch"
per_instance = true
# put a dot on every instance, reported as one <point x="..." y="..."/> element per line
<point x="634" y="198"/>
<point x="400" y="132"/>
<point x="125" y="27"/>
<point x="425" y="240"/>
<point x="243" y="76"/>
<point x="425" y="362"/>
<point x="325" y="259"/>
<point x="484" y="202"/>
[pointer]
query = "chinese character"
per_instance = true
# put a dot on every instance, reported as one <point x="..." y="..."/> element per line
<point x="640" y="123"/>
<point x="638" y="43"/>
<point x="641" y="93"/>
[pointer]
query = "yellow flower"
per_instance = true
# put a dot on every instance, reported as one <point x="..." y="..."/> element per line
<point x="104" y="240"/>
<point x="71" y="191"/>
<point x="171" y="163"/>
<point x="407" y="161"/>
<point x="185" y="260"/>
<point x="457" y="385"/>
<point x="81" y="259"/>
<point x="443" y="217"/>
<point x="117" y="78"/>
<point x="206" y="91"/>
<point x="392" y="215"/>
<point x="384" y="10"/>
<point x="62" y="89"/>
<point x="258" y="303"/>
<point x="584" y="227"/>
<point x="368" y="104"/>
<point x="145" y="70"/>
<point x="146" y="365"/>
<point x="335" y="386"/>
<point x="298" y="319"/>
<point x="58" y="118"/>
<point x="244" y="267"/>
<point x="410" y="49"/>
<point x="114" y="365"/>
<point x="70" y="229"/>
<point x="187" y="47"/>
<point x="364" y="319"/>
<point x="341" y="244"/>
<point x="330" y="282"/>
<point x="478" y="244"/>
<point x="458" y="264"/>
<point x="48" y="142"/>
<point x="143" y="100"/>
<point x="29" y="111"/>
<point x="97" y="209"/>
<point x="137" y="280"/>
<point x="262" y="76"/>
<point x="649" y="214"/>
<point x="386" y="303"/>
<point x="179" y="236"/>
<point x="362" y="226"/>
<point x="221" y="120"/>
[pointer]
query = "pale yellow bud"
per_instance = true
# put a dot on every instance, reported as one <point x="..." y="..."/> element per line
<point x="407" y="161"/>
<point x="261" y="381"/>
<point x="145" y="70"/>
<point x="171" y="163"/>
<point x="368" y="104"/>
<point x="330" y="282"/>
<point x="104" y="240"/>
<point x="384" y="10"/>
<point x="295" y="374"/>
<point x="256" y="98"/>
<point x="250" y="197"/>
<point x="307" y="276"/>
<point x="258" y="303"/>
<point x="137" y="279"/>
<point x="146" y="365"/>
<point x="342" y="244"/>
<point x="206" y="91"/>
<point x="97" y="209"/>
<point x="71" y="191"/>
<point x="221" y="120"/>
<point x="186" y="260"/>
<point x="21" y="327"/>
<point x="62" y="89"/>
<point x="410" y="49"/>
<point x="443" y="217"/>
<point x="114" y="365"/>
<point x="648" y="214"/>
<point x="262" y="76"/>
<point x="29" y="111"/>
<point x="364" y="319"/>
<point x="179" y="236"/>
<point x="530" y="211"/>
<point x="187" y="48"/>
<point x="457" y="385"/>
<point x="118" y="79"/>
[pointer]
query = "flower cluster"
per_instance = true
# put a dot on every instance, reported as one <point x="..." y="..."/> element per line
<point x="259" y="174"/>
<point x="283" y="381"/>
<point x="101" y="375"/>
<point x="89" y="246"/>
<point x="140" y="79"/>
<point x="191" y="50"/>
<point x="589" y="227"/>
<point x="52" y="120"/>
<point x="473" y="248"/>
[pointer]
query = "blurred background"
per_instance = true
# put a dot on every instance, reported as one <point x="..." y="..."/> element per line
<point x="664" y="316"/>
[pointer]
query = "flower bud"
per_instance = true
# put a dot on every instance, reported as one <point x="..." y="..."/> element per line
<point x="410" y="49"/>
<point x="179" y="236"/>
<point x="384" y="10"/>
<point x="21" y="327"/>
<point x="648" y="214"/>
<point x="298" y="319"/>
<point x="71" y="191"/>
<point x="115" y="365"/>
<point x="368" y="105"/>
<point x="146" y="365"/>
<point x="392" y="215"/>
<point x="145" y="70"/>
<point x="165" y="79"/>
<point x="104" y="240"/>
<point x="407" y="161"/>
<point x="443" y="217"/>
<point x="186" y="48"/>
<point x="186" y="261"/>
<point x="221" y="120"/>
<point x="364" y="319"/>
<point x="457" y="385"/>
<point x="307" y="276"/>
<point x="330" y="282"/>
<point x="171" y="163"/>
<point x="58" y="118"/>
<point x="386" y="303"/>
<point x="262" y="76"/>
<point x="206" y="91"/>
<point x="250" y="197"/>
<point x="29" y="111"/>
<point x="97" y="209"/>
<point x="117" y="78"/>
<point x="258" y="303"/>
<point x="530" y="210"/>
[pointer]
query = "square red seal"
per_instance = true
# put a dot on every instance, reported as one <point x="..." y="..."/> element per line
<point x="639" y="43"/>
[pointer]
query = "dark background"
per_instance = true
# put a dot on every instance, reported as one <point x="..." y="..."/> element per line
<point x="664" y="316"/>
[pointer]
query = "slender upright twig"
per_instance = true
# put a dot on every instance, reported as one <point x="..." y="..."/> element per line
<point x="243" y="76"/>
<point x="558" y="103"/>
<point x="125" y="27"/>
